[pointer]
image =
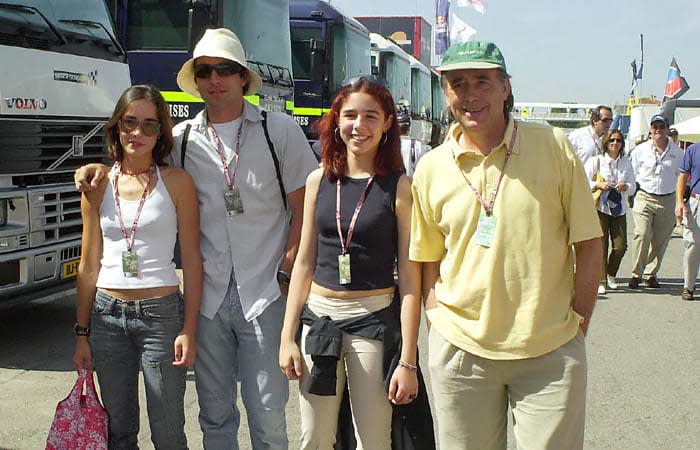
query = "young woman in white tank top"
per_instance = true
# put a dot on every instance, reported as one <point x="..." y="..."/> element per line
<point x="130" y="311"/>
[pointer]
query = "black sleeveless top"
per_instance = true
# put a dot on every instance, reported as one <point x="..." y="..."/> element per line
<point x="373" y="248"/>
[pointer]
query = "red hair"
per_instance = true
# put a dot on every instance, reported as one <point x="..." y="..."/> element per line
<point x="334" y="154"/>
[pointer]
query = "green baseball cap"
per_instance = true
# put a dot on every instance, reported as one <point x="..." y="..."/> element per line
<point x="473" y="55"/>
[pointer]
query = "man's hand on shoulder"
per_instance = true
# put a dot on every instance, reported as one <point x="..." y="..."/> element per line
<point x="89" y="177"/>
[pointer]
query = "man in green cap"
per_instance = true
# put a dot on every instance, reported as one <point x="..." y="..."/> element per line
<point x="499" y="210"/>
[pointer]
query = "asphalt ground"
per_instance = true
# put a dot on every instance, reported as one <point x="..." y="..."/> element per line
<point x="643" y="356"/>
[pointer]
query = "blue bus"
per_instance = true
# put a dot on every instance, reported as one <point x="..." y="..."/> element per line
<point x="327" y="47"/>
<point x="159" y="35"/>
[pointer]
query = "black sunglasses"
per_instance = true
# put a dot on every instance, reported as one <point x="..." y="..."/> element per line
<point x="615" y="140"/>
<point x="354" y="80"/>
<point x="606" y="120"/>
<point x="149" y="127"/>
<point x="222" y="69"/>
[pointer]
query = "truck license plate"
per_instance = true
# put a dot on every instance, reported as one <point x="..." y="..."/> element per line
<point x="70" y="268"/>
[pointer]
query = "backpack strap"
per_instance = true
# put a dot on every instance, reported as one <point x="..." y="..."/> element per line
<point x="271" y="147"/>
<point x="183" y="146"/>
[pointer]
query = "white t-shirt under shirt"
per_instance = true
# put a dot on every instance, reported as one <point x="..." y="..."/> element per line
<point x="228" y="135"/>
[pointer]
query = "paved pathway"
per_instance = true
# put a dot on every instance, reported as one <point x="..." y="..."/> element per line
<point x="643" y="350"/>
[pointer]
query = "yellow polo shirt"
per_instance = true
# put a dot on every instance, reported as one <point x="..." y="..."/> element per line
<point x="512" y="300"/>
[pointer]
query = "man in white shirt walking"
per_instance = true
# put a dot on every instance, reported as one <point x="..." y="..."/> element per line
<point x="656" y="164"/>
<point x="587" y="140"/>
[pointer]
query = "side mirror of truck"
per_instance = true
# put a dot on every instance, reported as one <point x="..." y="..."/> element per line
<point x="318" y="59"/>
<point x="198" y="18"/>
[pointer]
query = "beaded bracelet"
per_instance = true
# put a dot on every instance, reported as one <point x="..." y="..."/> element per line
<point x="408" y="366"/>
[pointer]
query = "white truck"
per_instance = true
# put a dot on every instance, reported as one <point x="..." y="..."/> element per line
<point x="62" y="72"/>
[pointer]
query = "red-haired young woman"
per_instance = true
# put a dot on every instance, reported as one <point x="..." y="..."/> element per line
<point x="357" y="213"/>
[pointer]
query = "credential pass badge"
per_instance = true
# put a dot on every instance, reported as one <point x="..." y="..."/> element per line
<point x="234" y="202"/>
<point x="485" y="230"/>
<point x="130" y="265"/>
<point x="344" y="269"/>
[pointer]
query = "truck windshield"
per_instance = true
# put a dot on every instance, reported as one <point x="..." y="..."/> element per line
<point x="350" y="54"/>
<point x="263" y="28"/>
<point x="157" y="25"/>
<point x="65" y="26"/>
<point x="301" y="51"/>
<point x="420" y="91"/>
<point x="397" y="73"/>
<point x="162" y="25"/>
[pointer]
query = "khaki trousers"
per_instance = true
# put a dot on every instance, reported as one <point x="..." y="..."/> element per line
<point x="361" y="365"/>
<point x="547" y="395"/>
<point x="654" y="220"/>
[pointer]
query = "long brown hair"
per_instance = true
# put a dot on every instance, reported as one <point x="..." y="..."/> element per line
<point x="164" y="144"/>
<point x="606" y="141"/>
<point x="333" y="152"/>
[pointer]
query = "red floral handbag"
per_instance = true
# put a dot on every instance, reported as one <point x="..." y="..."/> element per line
<point x="80" y="422"/>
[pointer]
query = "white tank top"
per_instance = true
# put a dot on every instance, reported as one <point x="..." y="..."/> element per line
<point x="154" y="242"/>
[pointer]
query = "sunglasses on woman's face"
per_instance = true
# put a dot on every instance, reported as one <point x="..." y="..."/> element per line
<point x="149" y="127"/>
<point x="225" y="69"/>
<point x="615" y="140"/>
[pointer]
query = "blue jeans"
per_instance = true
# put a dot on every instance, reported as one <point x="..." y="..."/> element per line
<point x="124" y="335"/>
<point x="231" y="349"/>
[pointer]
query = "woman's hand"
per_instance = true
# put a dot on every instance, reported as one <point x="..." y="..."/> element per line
<point x="602" y="185"/>
<point x="185" y="350"/>
<point x="290" y="360"/>
<point x="403" y="388"/>
<point x="621" y="187"/>
<point x="89" y="176"/>
<point x="82" y="358"/>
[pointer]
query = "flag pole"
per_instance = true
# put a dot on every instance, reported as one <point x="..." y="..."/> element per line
<point x="641" y="66"/>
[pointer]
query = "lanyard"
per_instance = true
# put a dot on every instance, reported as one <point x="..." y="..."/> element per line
<point x="656" y="155"/>
<point x="118" y="208"/>
<point x="230" y="181"/>
<point x="345" y="244"/>
<point x="488" y="207"/>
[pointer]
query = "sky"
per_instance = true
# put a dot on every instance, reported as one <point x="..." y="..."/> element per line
<point x="575" y="50"/>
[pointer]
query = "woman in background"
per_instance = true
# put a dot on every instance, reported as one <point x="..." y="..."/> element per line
<point x="619" y="184"/>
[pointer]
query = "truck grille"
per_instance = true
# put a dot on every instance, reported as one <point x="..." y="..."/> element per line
<point x="70" y="253"/>
<point x="30" y="146"/>
<point x="55" y="214"/>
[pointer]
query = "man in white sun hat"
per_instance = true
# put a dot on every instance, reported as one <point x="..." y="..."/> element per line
<point x="249" y="168"/>
<point x="251" y="221"/>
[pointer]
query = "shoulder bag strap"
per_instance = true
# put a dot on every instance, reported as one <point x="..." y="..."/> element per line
<point x="183" y="146"/>
<point x="274" y="158"/>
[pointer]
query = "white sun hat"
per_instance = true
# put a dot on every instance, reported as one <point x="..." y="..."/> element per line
<point x="217" y="43"/>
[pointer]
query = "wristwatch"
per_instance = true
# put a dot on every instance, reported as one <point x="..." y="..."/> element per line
<point x="283" y="277"/>
<point x="81" y="331"/>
